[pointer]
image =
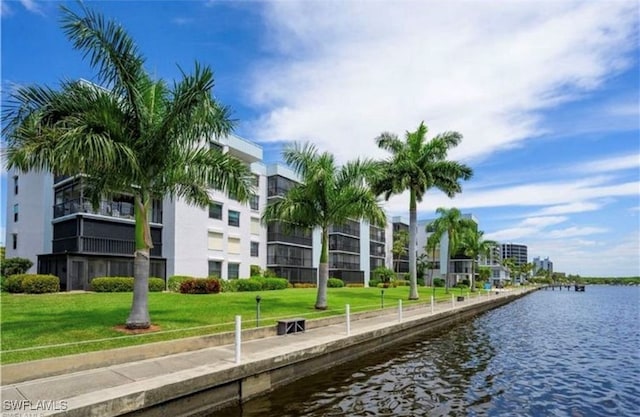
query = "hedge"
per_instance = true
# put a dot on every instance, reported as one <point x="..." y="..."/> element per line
<point x="175" y="280"/>
<point x="200" y="286"/>
<point x="123" y="284"/>
<point x="32" y="283"/>
<point x="373" y="283"/>
<point x="229" y="285"/>
<point x="438" y="282"/>
<point x="304" y="285"/>
<point x="355" y="285"/>
<point x="261" y="284"/>
<point x="335" y="283"/>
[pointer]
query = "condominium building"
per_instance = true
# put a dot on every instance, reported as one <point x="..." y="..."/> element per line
<point x="55" y="226"/>
<point x="514" y="251"/>
<point x="542" y="264"/>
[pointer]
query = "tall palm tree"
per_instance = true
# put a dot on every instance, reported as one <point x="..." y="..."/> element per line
<point x="474" y="246"/>
<point x="417" y="165"/>
<point x="327" y="195"/>
<point x="399" y="248"/>
<point x="454" y="225"/>
<point x="136" y="136"/>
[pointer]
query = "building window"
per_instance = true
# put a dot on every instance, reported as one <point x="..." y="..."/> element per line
<point x="233" y="246"/>
<point x="255" y="248"/>
<point x="233" y="271"/>
<point x="14" y="240"/>
<point x="254" y="202"/>
<point x="215" y="241"/>
<point x="15" y="185"/>
<point x="255" y="226"/>
<point x="15" y="212"/>
<point x="234" y="218"/>
<point x="215" y="269"/>
<point x="215" y="211"/>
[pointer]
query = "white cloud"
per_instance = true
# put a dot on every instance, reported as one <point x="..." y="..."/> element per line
<point x="31" y="6"/>
<point x="346" y="73"/>
<point x="617" y="163"/>
<point x="181" y="21"/>
<point x="525" y="228"/>
<point x="575" y="231"/>
<point x="577" y="207"/>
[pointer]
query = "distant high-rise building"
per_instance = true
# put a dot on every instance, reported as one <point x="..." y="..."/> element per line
<point x="542" y="264"/>
<point x="514" y="251"/>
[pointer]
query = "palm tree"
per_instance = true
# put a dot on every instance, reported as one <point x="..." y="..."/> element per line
<point x="417" y="165"/>
<point x="327" y="195"/>
<point x="137" y="136"/>
<point x="511" y="266"/>
<point x="433" y="242"/>
<point x="454" y="225"/>
<point x="399" y="248"/>
<point x="474" y="246"/>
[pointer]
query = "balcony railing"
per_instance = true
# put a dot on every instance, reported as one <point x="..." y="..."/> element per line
<point x="119" y="209"/>
<point x="344" y="265"/>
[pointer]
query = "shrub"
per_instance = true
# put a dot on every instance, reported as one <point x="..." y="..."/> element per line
<point x="229" y="285"/>
<point x="274" y="284"/>
<point x="175" y="281"/>
<point x="251" y="284"/>
<point x="40" y="284"/>
<point x="200" y="286"/>
<point x="383" y="274"/>
<point x="401" y="283"/>
<point x="355" y="285"/>
<point x="123" y="284"/>
<point x="13" y="284"/>
<point x="479" y="284"/>
<point x="335" y="283"/>
<point x="304" y="285"/>
<point x="255" y="271"/>
<point x="438" y="282"/>
<point x="373" y="283"/>
<point x="15" y="266"/>
<point x="267" y="273"/>
<point x="461" y="286"/>
<point x="465" y="282"/>
<point x="420" y="281"/>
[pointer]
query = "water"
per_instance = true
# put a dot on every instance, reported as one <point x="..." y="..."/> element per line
<point x="551" y="353"/>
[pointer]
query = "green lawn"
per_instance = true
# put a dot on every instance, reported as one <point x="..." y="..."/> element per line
<point x="68" y="318"/>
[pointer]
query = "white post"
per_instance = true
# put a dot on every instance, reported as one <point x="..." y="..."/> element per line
<point x="453" y="301"/>
<point x="238" y="337"/>
<point x="399" y="310"/>
<point x="432" y="304"/>
<point x="347" y="310"/>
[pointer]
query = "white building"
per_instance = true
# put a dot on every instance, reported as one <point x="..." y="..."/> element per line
<point x="542" y="264"/>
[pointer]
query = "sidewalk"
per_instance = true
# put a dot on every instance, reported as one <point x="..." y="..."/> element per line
<point x="119" y="389"/>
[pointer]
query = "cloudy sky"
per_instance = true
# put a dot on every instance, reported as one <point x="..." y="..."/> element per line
<point x="545" y="93"/>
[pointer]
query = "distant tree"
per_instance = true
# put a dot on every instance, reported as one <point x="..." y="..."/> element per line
<point x="399" y="249"/>
<point x="328" y="195"/>
<point x="454" y="225"/>
<point x="417" y="165"/>
<point x="474" y="245"/>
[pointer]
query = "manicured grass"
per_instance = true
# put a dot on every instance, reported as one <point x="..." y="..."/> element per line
<point x="30" y="321"/>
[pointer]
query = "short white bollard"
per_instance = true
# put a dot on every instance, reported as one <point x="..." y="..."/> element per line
<point x="238" y="337"/>
<point x="399" y="310"/>
<point x="347" y="311"/>
<point x="453" y="301"/>
<point x="432" y="304"/>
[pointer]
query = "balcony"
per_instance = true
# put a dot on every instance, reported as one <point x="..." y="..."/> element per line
<point x="344" y="265"/>
<point x="118" y="209"/>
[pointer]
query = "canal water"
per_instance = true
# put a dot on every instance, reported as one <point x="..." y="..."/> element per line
<point x="551" y="353"/>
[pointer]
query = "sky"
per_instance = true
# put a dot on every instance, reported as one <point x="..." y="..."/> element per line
<point x="545" y="93"/>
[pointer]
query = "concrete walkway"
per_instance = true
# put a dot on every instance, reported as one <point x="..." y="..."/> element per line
<point x="124" y="388"/>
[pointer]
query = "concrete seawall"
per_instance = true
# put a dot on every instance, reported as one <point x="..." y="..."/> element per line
<point x="200" y="381"/>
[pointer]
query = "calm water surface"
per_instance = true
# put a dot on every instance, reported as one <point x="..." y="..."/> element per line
<point x="551" y="353"/>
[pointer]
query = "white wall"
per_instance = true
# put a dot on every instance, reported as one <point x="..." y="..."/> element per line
<point x="35" y="211"/>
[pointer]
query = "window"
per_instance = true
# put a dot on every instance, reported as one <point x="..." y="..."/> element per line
<point x="234" y="218"/>
<point x="15" y="185"/>
<point x="254" y="202"/>
<point x="233" y="245"/>
<point x="15" y="212"/>
<point x="215" y="241"/>
<point x="215" y="269"/>
<point x="255" y="249"/>
<point x="215" y="211"/>
<point x="255" y="226"/>
<point x="256" y="180"/>
<point x="233" y="271"/>
<point x="14" y="240"/>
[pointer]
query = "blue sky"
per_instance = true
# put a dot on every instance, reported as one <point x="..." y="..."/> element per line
<point x="546" y="95"/>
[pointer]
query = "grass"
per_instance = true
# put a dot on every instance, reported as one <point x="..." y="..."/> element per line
<point x="84" y="322"/>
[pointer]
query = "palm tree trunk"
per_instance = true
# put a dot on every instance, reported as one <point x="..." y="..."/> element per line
<point x="413" y="281"/>
<point x="323" y="272"/>
<point x="139" y="315"/>
<point x="473" y="276"/>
